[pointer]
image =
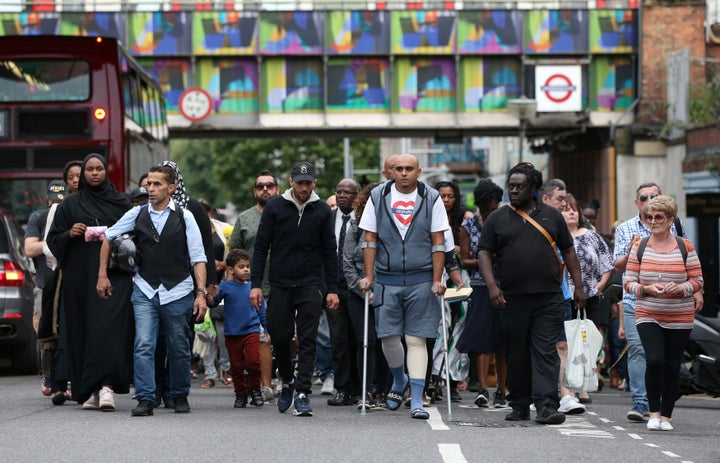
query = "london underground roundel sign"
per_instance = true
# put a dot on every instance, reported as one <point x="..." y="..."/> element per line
<point x="558" y="88"/>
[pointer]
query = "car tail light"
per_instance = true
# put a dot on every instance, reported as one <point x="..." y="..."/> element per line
<point x="11" y="274"/>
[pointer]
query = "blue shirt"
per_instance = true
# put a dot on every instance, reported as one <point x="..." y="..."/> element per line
<point x="241" y="318"/>
<point x="623" y="236"/>
<point x="159" y="218"/>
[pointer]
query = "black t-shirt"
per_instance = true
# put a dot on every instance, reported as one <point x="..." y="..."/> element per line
<point x="524" y="258"/>
<point x="36" y="229"/>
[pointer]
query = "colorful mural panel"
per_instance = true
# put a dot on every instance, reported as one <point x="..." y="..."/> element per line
<point x="174" y="76"/>
<point x="423" y="32"/>
<point x="486" y="84"/>
<point x="612" y="85"/>
<point x="424" y="85"/>
<point x="157" y="34"/>
<point x="489" y="31"/>
<point x="94" y="25"/>
<point x="358" y="85"/>
<point x="351" y="32"/>
<point x="613" y="31"/>
<point x="225" y="32"/>
<point x="29" y="23"/>
<point x="231" y="83"/>
<point x="292" y="85"/>
<point x="556" y="31"/>
<point x="291" y="32"/>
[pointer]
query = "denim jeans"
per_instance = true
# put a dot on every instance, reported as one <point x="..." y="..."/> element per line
<point x="175" y="320"/>
<point x="635" y="360"/>
<point x="323" y="352"/>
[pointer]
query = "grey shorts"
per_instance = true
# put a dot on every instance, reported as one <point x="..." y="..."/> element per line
<point x="400" y="310"/>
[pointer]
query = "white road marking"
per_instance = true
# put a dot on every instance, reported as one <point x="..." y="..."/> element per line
<point x="580" y="427"/>
<point x="591" y="413"/>
<point x="670" y="454"/>
<point x="436" y="423"/>
<point x="635" y="436"/>
<point x="652" y="445"/>
<point x="619" y="428"/>
<point x="451" y="453"/>
<point x="686" y="461"/>
<point x="605" y="420"/>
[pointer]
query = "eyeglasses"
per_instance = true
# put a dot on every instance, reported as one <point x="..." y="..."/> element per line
<point x="644" y="198"/>
<point x="658" y="218"/>
<point x="345" y="192"/>
<point x="268" y="185"/>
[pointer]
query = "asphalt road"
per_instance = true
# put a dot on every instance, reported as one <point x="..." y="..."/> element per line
<point x="32" y="429"/>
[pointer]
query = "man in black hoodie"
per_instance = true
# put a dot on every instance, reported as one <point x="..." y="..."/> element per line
<point x="299" y="228"/>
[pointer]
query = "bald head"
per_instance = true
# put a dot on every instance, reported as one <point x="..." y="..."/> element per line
<point x="388" y="172"/>
<point x="407" y="171"/>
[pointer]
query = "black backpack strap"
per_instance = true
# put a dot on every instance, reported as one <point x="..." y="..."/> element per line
<point x="678" y="227"/>
<point x="641" y="249"/>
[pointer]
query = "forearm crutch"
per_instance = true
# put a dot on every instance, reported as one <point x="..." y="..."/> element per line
<point x="365" y="349"/>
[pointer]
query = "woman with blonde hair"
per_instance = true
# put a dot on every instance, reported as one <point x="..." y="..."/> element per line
<point x="664" y="272"/>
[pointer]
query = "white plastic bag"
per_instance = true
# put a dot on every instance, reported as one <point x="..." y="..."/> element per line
<point x="584" y="345"/>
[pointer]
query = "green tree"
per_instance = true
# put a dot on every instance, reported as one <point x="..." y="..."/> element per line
<point x="196" y="166"/>
<point x="237" y="163"/>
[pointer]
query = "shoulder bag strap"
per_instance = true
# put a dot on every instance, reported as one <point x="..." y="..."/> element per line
<point x="544" y="232"/>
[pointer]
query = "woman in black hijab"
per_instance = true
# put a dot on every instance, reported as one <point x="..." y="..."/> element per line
<point x="96" y="331"/>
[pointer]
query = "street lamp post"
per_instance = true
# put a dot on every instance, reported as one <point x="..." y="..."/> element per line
<point x="523" y="109"/>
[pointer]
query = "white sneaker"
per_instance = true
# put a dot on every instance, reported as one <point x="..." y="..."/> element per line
<point x="328" y="387"/>
<point x="570" y="406"/>
<point x="666" y="426"/>
<point x="93" y="403"/>
<point x="653" y="424"/>
<point x="106" y="399"/>
<point x="268" y="393"/>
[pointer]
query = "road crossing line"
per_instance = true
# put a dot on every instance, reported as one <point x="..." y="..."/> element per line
<point x="451" y="453"/>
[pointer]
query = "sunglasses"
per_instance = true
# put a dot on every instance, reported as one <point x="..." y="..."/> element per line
<point x="658" y="218"/>
<point x="644" y="198"/>
<point x="268" y="185"/>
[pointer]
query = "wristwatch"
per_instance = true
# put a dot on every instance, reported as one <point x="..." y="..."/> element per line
<point x="201" y="290"/>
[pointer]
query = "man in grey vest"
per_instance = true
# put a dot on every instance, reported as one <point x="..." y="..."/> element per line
<point x="404" y="222"/>
<point x="169" y="245"/>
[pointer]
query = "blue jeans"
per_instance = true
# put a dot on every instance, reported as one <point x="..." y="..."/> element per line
<point x="635" y="360"/>
<point x="323" y="351"/>
<point x="175" y="320"/>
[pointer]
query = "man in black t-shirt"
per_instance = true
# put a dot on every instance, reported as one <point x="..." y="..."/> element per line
<point x="531" y="301"/>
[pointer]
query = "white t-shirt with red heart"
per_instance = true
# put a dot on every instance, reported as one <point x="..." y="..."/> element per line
<point x="403" y="209"/>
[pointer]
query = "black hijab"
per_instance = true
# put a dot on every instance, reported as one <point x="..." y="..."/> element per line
<point x="103" y="202"/>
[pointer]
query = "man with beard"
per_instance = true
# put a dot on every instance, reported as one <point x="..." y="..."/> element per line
<point x="243" y="237"/>
<point x="531" y="301"/>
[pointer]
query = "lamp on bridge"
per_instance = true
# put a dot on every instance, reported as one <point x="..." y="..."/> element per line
<point x="523" y="109"/>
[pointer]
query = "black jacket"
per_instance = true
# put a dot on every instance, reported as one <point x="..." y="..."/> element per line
<point x="302" y="247"/>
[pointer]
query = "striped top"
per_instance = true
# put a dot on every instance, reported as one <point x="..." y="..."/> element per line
<point x="672" y="312"/>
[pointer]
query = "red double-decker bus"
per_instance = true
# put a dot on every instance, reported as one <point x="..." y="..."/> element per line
<point x="62" y="98"/>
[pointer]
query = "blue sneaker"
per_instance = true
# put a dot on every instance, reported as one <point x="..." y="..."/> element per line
<point x="285" y="399"/>
<point x="302" y="405"/>
<point x="638" y="413"/>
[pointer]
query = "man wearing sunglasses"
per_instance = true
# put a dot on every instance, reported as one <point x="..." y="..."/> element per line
<point x="243" y="237"/>
<point x="626" y="235"/>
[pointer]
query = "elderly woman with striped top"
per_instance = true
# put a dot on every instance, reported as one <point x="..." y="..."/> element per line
<point x="664" y="272"/>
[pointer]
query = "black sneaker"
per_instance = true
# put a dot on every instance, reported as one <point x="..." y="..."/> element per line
<point x="482" y="398"/>
<point x="455" y="395"/>
<point x="499" y="399"/>
<point x="256" y="398"/>
<point x="518" y="415"/>
<point x="340" y="399"/>
<point x="240" y="401"/>
<point x="144" y="408"/>
<point x="549" y="415"/>
<point x="182" y="405"/>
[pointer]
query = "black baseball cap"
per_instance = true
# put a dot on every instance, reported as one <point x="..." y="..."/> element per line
<point x="137" y="192"/>
<point x="56" y="190"/>
<point x="303" y="171"/>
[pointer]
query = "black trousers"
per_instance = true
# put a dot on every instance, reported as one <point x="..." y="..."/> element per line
<point x="356" y="308"/>
<point x="288" y="309"/>
<point x="531" y="325"/>
<point x="344" y="350"/>
<point x="663" y="353"/>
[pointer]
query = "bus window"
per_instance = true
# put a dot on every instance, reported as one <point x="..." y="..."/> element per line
<point x="44" y="80"/>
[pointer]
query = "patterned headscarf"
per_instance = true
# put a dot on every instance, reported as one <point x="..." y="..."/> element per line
<point x="180" y="197"/>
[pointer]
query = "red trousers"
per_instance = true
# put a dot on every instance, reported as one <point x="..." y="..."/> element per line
<point x="244" y="354"/>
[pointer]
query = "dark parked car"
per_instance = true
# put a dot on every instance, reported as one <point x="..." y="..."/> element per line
<point x="17" y="336"/>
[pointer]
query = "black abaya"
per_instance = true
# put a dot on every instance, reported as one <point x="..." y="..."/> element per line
<point x="97" y="332"/>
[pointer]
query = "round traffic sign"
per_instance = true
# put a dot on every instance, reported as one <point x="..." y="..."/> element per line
<point x="558" y="88"/>
<point x="195" y="104"/>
